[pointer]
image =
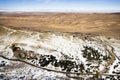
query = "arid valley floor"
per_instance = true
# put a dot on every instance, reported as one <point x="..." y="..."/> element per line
<point x="100" y="23"/>
<point x="59" y="46"/>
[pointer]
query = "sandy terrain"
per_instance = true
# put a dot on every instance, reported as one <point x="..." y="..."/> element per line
<point x="104" y="24"/>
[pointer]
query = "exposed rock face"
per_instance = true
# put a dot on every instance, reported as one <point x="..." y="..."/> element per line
<point x="54" y="55"/>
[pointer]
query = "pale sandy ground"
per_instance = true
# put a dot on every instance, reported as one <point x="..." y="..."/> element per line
<point x="101" y="24"/>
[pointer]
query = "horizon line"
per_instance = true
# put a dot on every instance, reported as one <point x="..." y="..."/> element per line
<point x="60" y="10"/>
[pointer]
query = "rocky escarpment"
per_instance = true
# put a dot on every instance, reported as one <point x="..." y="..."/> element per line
<point x="55" y="55"/>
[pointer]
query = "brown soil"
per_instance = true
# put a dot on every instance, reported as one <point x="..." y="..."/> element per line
<point x="103" y="24"/>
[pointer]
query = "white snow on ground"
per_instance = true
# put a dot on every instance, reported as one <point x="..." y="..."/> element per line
<point x="29" y="72"/>
<point x="114" y="43"/>
<point x="112" y="66"/>
<point x="52" y="44"/>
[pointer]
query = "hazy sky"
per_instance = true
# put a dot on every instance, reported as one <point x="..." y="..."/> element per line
<point x="60" y="5"/>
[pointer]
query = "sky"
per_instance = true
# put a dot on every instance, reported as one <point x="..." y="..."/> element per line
<point x="61" y="5"/>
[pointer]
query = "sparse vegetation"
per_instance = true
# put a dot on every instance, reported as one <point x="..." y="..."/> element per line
<point x="2" y="63"/>
<point x="45" y="60"/>
<point x="66" y="65"/>
<point x="93" y="55"/>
